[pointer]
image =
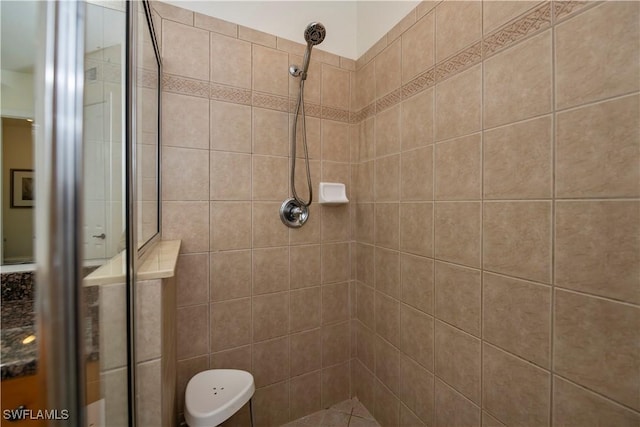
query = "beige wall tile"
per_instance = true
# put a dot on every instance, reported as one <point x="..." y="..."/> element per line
<point x="387" y="272"/>
<point x="185" y="173"/>
<point x="458" y="169"/>
<point x="514" y="390"/>
<point x="517" y="239"/>
<point x="185" y="50"/>
<point x="335" y="87"/>
<point x="305" y="266"/>
<point x="458" y="232"/>
<point x="417" y="390"/>
<point x="335" y="141"/>
<point x="366" y="139"/>
<point x="458" y="296"/>
<point x="193" y="233"/>
<point x="174" y="13"/>
<point x="192" y="273"/>
<point x="149" y="321"/>
<point x="335" y="384"/>
<point x="272" y="404"/>
<point x="149" y="393"/>
<point x="388" y="69"/>
<point x="270" y="70"/>
<point x="497" y="13"/>
<point x="518" y="160"/>
<point x="230" y="230"/>
<point x="230" y="127"/>
<point x="416" y="175"/>
<point x="230" y="275"/>
<point x="234" y="70"/>
<point x="416" y="228"/>
<point x="387" y="180"/>
<point x="365" y="305"/>
<point x="306" y="351"/>
<point x="489" y="421"/>
<point x="452" y="409"/>
<point x="366" y="89"/>
<point x="185" y="121"/>
<point x="386" y="225"/>
<point x="314" y="141"/>
<point x="230" y="176"/>
<point x="364" y="228"/>
<point x="270" y="270"/>
<point x="335" y="303"/>
<point x="313" y="84"/>
<point x="387" y="406"/>
<point x="387" y="131"/>
<point x="598" y="150"/>
<point x="268" y="229"/>
<point x="458" y="24"/>
<point x="335" y="344"/>
<point x="587" y="68"/>
<point x="417" y="282"/>
<point x="416" y="336"/>
<point x="305" y="395"/>
<point x="574" y="405"/>
<point x="457" y="360"/>
<point x="388" y="365"/>
<point x="417" y="120"/>
<point x="230" y="324"/>
<point x="418" y="48"/>
<point x="270" y="178"/>
<point x="305" y="309"/>
<point x="270" y="132"/>
<point x="366" y="346"/>
<point x="518" y="82"/>
<point x="597" y="247"/>
<point x="517" y="317"/>
<point x="255" y="36"/>
<point x="364" y="385"/>
<point x="459" y="103"/>
<point x="192" y="324"/>
<point x="408" y="418"/>
<point x="597" y="344"/>
<point x="270" y="315"/>
<point x="336" y="222"/>
<point x="403" y="25"/>
<point x="335" y="262"/>
<point x="387" y="318"/>
<point x="270" y="361"/>
<point x="216" y="25"/>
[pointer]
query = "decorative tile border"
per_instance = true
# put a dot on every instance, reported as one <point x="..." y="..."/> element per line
<point x="185" y="86"/>
<point x="147" y="79"/>
<point x="536" y="20"/>
<point x="562" y="9"/>
<point x="389" y="100"/>
<point x="420" y="83"/>
<point x="230" y="94"/>
<point x="217" y="92"/>
<point x="458" y="62"/>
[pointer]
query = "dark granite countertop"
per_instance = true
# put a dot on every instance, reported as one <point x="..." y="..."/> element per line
<point x="18" y="359"/>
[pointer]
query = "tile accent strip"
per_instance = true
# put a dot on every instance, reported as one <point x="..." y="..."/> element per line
<point x="389" y="100"/>
<point x="562" y="9"/>
<point x="538" y="19"/>
<point x="420" y="83"/>
<point x="203" y="89"/>
<point x="458" y="62"/>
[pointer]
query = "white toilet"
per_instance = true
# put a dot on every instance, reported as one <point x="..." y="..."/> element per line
<point x="215" y="395"/>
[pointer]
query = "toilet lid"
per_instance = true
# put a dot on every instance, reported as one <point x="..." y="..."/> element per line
<point x="213" y="396"/>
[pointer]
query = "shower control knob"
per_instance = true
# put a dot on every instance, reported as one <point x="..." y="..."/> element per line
<point x="100" y="236"/>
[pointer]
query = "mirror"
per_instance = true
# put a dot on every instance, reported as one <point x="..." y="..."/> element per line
<point x="147" y="136"/>
<point x="19" y="21"/>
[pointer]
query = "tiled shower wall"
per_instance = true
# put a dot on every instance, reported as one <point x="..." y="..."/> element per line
<point x="253" y="294"/>
<point x="497" y="216"/>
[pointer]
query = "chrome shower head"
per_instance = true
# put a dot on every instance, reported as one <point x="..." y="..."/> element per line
<point x="314" y="33"/>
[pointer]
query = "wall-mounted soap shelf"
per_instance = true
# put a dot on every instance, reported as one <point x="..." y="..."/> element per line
<point x="332" y="194"/>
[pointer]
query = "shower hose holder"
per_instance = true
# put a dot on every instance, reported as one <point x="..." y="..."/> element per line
<point x="293" y="213"/>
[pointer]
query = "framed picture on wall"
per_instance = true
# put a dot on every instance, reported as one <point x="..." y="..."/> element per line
<point x="22" y="188"/>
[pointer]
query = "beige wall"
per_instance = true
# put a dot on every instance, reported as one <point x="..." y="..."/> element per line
<point x="253" y="294"/>
<point x="498" y="222"/>
<point x="17" y="223"/>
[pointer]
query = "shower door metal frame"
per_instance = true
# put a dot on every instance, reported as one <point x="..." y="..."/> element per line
<point x="59" y="192"/>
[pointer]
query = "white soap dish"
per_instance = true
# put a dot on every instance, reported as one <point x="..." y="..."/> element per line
<point x="332" y="194"/>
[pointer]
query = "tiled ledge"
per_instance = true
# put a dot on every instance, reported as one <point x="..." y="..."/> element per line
<point x="158" y="263"/>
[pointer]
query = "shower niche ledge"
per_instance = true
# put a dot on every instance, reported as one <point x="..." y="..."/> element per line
<point x="332" y="194"/>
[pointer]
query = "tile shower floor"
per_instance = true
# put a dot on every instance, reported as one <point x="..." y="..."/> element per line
<point x="350" y="413"/>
